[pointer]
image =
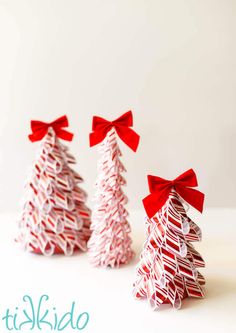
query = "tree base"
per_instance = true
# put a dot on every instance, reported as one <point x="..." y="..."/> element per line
<point x="57" y="250"/>
<point x="167" y="301"/>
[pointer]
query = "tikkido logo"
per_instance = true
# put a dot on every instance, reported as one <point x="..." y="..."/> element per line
<point x="40" y="316"/>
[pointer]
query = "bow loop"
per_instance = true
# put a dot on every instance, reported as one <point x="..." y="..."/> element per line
<point x="60" y="122"/>
<point x="125" y="120"/>
<point x="122" y="126"/>
<point x="188" y="178"/>
<point x="40" y="129"/>
<point x="160" y="189"/>
<point x="157" y="183"/>
<point x="99" y="122"/>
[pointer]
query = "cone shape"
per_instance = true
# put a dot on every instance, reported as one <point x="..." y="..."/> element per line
<point x="55" y="218"/>
<point x="167" y="271"/>
<point x="110" y="243"/>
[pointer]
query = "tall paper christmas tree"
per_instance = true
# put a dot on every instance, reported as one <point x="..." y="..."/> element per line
<point x="55" y="218"/>
<point x="110" y="242"/>
<point x="167" y="271"/>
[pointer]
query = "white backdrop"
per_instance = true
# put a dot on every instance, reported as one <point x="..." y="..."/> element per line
<point x="171" y="62"/>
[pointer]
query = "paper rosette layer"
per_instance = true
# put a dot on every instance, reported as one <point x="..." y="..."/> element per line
<point x="167" y="271"/>
<point x="55" y="218"/>
<point x="110" y="242"/>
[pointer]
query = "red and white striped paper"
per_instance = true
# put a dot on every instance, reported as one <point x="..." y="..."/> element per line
<point x="167" y="271"/>
<point x="110" y="243"/>
<point x="55" y="218"/>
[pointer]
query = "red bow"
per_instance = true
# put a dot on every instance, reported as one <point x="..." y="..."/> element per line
<point x="40" y="129"/>
<point x="122" y="125"/>
<point x="160" y="190"/>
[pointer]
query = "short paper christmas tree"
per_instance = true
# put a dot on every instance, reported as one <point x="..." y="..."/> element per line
<point x="55" y="218"/>
<point x="167" y="271"/>
<point x="110" y="243"/>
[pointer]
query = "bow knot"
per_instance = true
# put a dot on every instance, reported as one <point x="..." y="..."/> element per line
<point x="40" y="129"/>
<point x="122" y="126"/>
<point x="160" y="189"/>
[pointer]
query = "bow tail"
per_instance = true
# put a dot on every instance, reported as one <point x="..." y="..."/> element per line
<point x="194" y="197"/>
<point x="153" y="202"/>
<point x="38" y="135"/>
<point x="96" y="137"/>
<point x="129" y="136"/>
<point x="63" y="134"/>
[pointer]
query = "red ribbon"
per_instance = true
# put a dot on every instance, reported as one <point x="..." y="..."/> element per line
<point x="122" y="126"/>
<point x="40" y="129"/>
<point x="160" y="190"/>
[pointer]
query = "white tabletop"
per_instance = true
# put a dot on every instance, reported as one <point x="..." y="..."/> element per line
<point x="106" y="294"/>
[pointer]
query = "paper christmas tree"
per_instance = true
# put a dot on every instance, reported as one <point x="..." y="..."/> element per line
<point x="55" y="218"/>
<point x="110" y="242"/>
<point x="167" y="271"/>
